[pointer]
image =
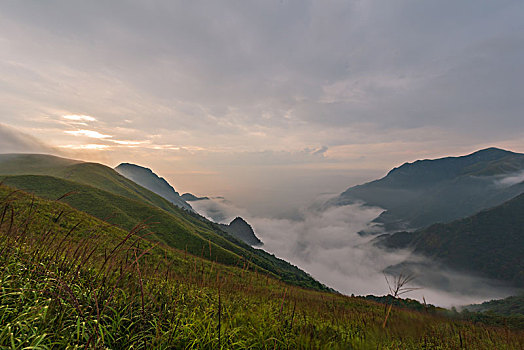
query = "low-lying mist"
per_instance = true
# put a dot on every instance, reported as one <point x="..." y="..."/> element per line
<point x="510" y="180"/>
<point x="325" y="242"/>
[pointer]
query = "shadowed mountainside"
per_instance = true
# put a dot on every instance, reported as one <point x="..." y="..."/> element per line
<point x="490" y="243"/>
<point x="145" y="177"/>
<point x="425" y="192"/>
<point x="508" y="306"/>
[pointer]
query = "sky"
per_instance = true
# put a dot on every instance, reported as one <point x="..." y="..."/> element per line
<point x="268" y="103"/>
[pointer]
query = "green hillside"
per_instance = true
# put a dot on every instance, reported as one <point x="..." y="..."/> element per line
<point x="70" y="281"/>
<point x="102" y="192"/>
<point x="93" y="174"/>
<point x="490" y="243"/>
<point x="185" y="231"/>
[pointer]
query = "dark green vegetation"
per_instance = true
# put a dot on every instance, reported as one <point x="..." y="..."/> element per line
<point x="148" y="179"/>
<point x="102" y="192"/>
<point x="70" y="280"/>
<point x="507" y="312"/>
<point x="508" y="306"/>
<point x="405" y="303"/>
<point x="490" y="243"/>
<point x="425" y="192"/>
<point x="500" y="313"/>
<point x="241" y="230"/>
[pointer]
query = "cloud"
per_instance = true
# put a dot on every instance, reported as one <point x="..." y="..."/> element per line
<point x="15" y="141"/>
<point x="88" y="133"/>
<point x="294" y="89"/>
<point x="131" y="143"/>
<point x="510" y="180"/>
<point x="218" y="209"/>
<point x="327" y="244"/>
<point x="80" y="118"/>
<point x="89" y="146"/>
<point x="274" y="80"/>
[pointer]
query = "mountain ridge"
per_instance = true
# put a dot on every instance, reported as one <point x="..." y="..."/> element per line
<point x="424" y="192"/>
<point x="149" y="179"/>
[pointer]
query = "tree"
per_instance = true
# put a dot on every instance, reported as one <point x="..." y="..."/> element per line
<point x="397" y="287"/>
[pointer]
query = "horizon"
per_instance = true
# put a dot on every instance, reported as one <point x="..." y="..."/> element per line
<point x="270" y="209"/>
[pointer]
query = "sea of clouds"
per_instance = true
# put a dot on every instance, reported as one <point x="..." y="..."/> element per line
<point x="328" y="243"/>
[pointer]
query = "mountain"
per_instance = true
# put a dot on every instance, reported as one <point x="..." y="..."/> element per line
<point x="489" y="243"/>
<point x="103" y="193"/>
<point x="70" y="280"/>
<point x="86" y="173"/>
<point x="145" y="177"/>
<point x="240" y="229"/>
<point x="189" y="197"/>
<point x="424" y="192"/>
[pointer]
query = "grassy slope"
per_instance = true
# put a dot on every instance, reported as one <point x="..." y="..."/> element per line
<point x="175" y="227"/>
<point x="93" y="174"/>
<point x="56" y="295"/>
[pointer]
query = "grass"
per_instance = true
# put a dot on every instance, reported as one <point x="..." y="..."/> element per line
<point x="178" y="228"/>
<point x="69" y="280"/>
<point x="105" y="194"/>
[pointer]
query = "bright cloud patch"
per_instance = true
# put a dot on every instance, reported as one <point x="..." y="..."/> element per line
<point x="88" y="133"/>
<point x="91" y="146"/>
<point x="79" y="118"/>
<point x="130" y="143"/>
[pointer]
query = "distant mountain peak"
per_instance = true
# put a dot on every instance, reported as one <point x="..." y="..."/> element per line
<point x="492" y="150"/>
<point x="240" y="229"/>
<point x="454" y="164"/>
<point x="426" y="191"/>
<point x="147" y="178"/>
<point x="241" y="224"/>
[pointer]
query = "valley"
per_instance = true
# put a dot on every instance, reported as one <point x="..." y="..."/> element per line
<point x="171" y="242"/>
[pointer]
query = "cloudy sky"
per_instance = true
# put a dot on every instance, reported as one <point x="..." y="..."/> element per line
<point x="261" y="101"/>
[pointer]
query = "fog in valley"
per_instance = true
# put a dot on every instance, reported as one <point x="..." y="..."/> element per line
<point x="325" y="242"/>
